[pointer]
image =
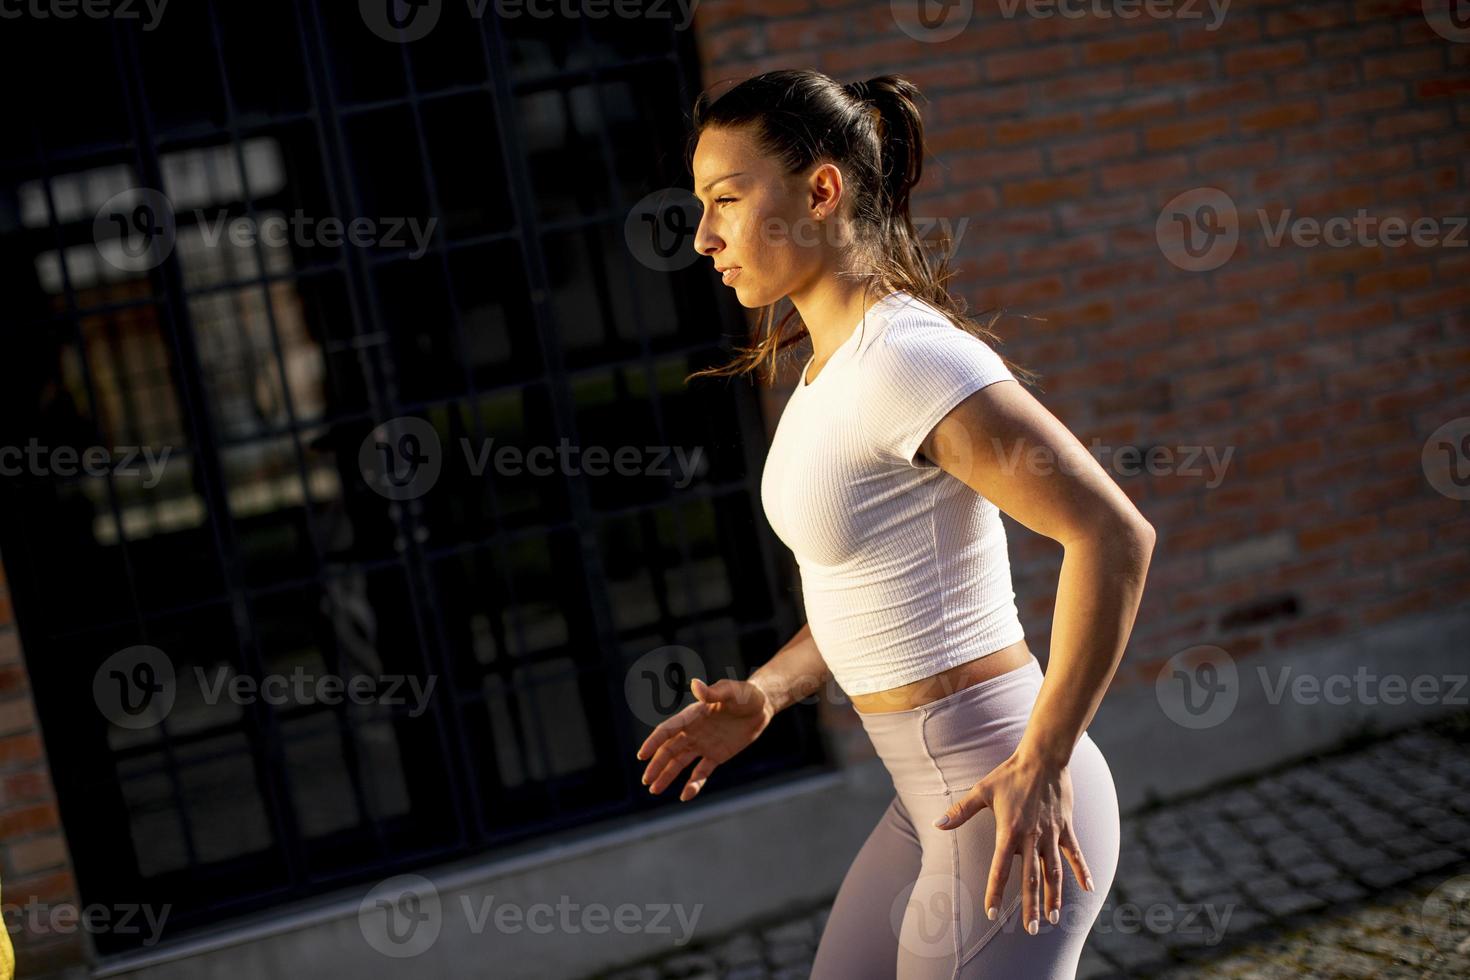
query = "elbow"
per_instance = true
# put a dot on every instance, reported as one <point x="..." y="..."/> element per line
<point x="1139" y="537"/>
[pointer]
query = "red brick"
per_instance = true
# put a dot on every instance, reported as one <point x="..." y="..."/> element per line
<point x="1410" y="123"/>
<point x="1279" y="116"/>
<point x="1285" y="455"/>
<point x="1009" y="132"/>
<point x="1389" y="96"/>
<point x="1083" y="153"/>
<point x="1231" y="95"/>
<point x="1005" y="66"/>
<point x="1030" y="193"/>
<point x="1265" y="58"/>
<point x="1173" y="135"/>
<point x="1408" y="63"/>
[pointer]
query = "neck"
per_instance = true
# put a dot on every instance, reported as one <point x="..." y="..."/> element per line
<point x="830" y="307"/>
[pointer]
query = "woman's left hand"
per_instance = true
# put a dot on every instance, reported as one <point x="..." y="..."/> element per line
<point x="1033" y="817"/>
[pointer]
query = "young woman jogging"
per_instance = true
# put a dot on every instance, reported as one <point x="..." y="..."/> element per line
<point x="906" y="436"/>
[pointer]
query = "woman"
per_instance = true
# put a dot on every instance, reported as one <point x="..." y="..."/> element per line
<point x="904" y="438"/>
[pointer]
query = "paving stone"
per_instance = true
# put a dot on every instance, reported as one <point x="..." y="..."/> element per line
<point x="748" y="971"/>
<point x="1334" y="852"/>
<point x="690" y="965"/>
<point x="798" y="931"/>
<point x="1313" y="872"/>
<point x="636" y="973"/>
<point x="1290" y="903"/>
<point x="1129" y="950"/>
<point x="1383" y="875"/>
<point x="739" y="950"/>
<point x="1340" y="890"/>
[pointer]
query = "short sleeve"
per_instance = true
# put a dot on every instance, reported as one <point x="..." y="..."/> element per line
<point x="912" y="375"/>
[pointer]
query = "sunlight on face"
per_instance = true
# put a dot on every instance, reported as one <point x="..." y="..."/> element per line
<point x="757" y="221"/>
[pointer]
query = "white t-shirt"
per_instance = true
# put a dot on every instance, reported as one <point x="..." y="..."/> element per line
<point x="904" y="568"/>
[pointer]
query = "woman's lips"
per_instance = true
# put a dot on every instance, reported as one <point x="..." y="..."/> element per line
<point x="729" y="274"/>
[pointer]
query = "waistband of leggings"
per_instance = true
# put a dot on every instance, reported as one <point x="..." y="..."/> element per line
<point x="1027" y="674"/>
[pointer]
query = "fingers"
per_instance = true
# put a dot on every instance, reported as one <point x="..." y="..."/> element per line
<point x="667" y="765"/>
<point x="970" y="804"/>
<point x="696" y="780"/>
<point x="661" y="733"/>
<point x="1000" y="871"/>
<point x="1073" y="850"/>
<point x="1051" y="867"/>
<point x="1030" y="884"/>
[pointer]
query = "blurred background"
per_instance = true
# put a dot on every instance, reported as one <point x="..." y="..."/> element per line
<point x="282" y="280"/>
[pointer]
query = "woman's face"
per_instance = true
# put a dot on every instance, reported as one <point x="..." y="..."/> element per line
<point x="758" y="222"/>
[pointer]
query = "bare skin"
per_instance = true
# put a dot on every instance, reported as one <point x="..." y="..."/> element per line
<point x="1107" y="543"/>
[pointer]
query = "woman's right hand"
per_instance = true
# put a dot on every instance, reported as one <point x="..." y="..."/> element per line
<point x="724" y="718"/>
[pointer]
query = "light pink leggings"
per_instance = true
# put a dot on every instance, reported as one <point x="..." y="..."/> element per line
<point x="911" y="905"/>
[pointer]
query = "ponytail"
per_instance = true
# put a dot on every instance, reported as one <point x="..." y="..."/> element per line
<point x="874" y="131"/>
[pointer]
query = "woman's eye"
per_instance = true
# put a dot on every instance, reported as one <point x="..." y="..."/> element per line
<point x="719" y="200"/>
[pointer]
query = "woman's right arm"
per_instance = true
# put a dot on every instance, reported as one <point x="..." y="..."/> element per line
<point x="795" y="672"/>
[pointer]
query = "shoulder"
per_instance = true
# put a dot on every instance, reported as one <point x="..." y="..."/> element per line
<point x="915" y="341"/>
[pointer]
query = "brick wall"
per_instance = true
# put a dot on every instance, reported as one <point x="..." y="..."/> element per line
<point x="1324" y="368"/>
<point x="35" y="868"/>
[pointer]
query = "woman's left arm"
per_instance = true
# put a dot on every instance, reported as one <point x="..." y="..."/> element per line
<point x="1009" y="448"/>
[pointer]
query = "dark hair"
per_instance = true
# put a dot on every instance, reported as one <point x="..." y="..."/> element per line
<point x="873" y="131"/>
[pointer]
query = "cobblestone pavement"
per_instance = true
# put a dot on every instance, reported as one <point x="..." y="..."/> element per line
<point x="1353" y="864"/>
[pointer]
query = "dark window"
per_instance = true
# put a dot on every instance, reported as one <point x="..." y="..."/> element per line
<point x="251" y="544"/>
